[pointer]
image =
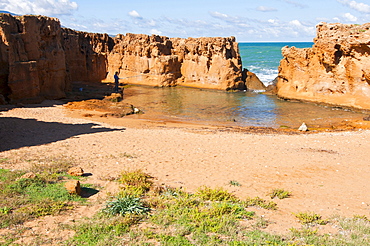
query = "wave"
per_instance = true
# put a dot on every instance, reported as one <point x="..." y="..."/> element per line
<point x="266" y="75"/>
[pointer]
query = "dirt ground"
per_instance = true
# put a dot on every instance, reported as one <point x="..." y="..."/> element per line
<point x="326" y="172"/>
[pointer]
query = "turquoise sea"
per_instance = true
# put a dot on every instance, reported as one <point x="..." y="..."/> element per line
<point x="215" y="107"/>
<point x="263" y="58"/>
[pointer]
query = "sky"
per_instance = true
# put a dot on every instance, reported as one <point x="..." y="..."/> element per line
<point x="247" y="20"/>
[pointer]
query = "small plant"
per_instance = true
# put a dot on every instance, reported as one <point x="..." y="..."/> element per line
<point x="127" y="155"/>
<point x="361" y="217"/>
<point x="171" y="192"/>
<point x="5" y="210"/>
<point x="135" y="183"/>
<point x="304" y="232"/>
<point x="279" y="193"/>
<point x="234" y="183"/>
<point x="218" y="194"/>
<point x="261" y="223"/>
<point x="126" y="205"/>
<point x="310" y="218"/>
<point x="259" y="202"/>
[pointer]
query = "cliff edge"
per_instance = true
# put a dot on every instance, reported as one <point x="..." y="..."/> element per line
<point x="39" y="59"/>
<point x="334" y="71"/>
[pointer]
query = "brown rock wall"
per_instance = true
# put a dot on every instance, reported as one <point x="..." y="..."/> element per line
<point x="39" y="59"/>
<point x="33" y="58"/>
<point x="334" y="71"/>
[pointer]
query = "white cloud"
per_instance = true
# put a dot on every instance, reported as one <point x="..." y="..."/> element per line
<point x="134" y="14"/>
<point x="152" y="23"/>
<point x="298" y="28"/>
<point x="39" y="7"/>
<point x="350" y="17"/>
<point x="155" y="31"/>
<point x="295" y="23"/>
<point x="336" y="19"/>
<point x="266" y="9"/>
<point x="360" y="7"/>
<point x="296" y="4"/>
<point x="219" y="15"/>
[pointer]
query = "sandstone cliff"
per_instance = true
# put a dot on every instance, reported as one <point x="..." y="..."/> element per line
<point x="334" y="71"/>
<point x="39" y="59"/>
<point x="32" y="58"/>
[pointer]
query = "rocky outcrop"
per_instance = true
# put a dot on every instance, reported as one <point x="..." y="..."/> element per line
<point x="334" y="71"/>
<point x="161" y="61"/>
<point x="32" y="58"/>
<point x="39" y="59"/>
<point x="252" y="82"/>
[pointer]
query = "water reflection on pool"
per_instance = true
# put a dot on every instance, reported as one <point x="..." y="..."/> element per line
<point x="230" y="108"/>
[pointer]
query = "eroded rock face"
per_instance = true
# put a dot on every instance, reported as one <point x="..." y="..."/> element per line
<point x="161" y="61"/>
<point x="32" y="58"/>
<point x="39" y="59"/>
<point x="334" y="71"/>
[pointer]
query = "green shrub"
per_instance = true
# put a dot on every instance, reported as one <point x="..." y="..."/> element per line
<point x="126" y="205"/>
<point x="135" y="183"/>
<point x="310" y="218"/>
<point x="259" y="202"/>
<point x="218" y="194"/>
<point x="279" y="193"/>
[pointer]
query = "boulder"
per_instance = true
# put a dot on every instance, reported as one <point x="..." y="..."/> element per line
<point x="334" y="71"/>
<point x="252" y="82"/>
<point x="76" y="171"/>
<point x="73" y="187"/>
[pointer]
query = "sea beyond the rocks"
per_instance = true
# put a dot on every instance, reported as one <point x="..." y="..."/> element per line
<point x="263" y="58"/>
<point x="239" y="109"/>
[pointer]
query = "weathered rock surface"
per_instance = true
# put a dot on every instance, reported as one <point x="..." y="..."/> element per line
<point x="334" y="71"/>
<point x="73" y="187"/>
<point x="32" y="58"/>
<point x="252" y="82"/>
<point x="76" y="171"/>
<point x="39" y="59"/>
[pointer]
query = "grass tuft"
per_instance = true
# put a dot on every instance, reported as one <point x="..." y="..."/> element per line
<point x="279" y="193"/>
<point x="234" y="183"/>
<point x="310" y="218"/>
<point x="259" y="202"/>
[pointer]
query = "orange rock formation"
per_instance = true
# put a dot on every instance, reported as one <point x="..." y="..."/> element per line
<point x="334" y="71"/>
<point x="39" y="59"/>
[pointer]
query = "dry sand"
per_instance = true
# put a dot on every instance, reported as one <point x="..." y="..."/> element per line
<point x="327" y="173"/>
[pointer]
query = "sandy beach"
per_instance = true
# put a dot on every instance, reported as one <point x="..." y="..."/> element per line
<point x="327" y="173"/>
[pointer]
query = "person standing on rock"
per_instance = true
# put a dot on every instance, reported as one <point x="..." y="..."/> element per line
<point x="116" y="82"/>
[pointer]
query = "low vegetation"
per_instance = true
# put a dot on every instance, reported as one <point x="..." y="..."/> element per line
<point x="279" y="193"/>
<point x="142" y="213"/>
<point x="310" y="218"/>
<point x="23" y="199"/>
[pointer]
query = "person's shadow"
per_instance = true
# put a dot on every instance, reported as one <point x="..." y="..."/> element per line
<point x="16" y="132"/>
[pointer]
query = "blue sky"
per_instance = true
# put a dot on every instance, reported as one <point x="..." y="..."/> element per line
<point x="262" y="20"/>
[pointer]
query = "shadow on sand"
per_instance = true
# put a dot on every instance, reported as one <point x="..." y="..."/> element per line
<point x="16" y="132"/>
